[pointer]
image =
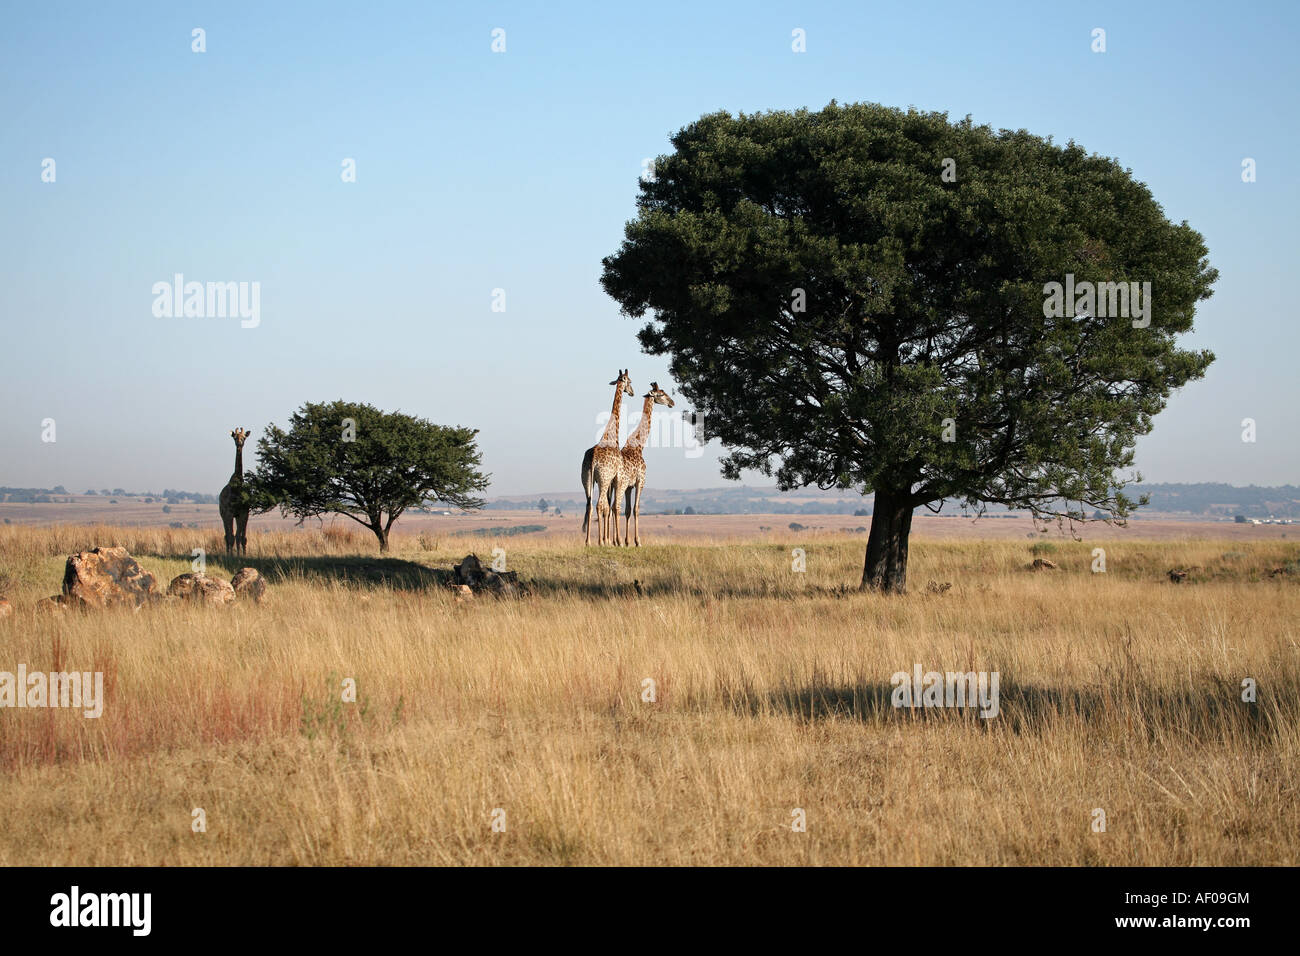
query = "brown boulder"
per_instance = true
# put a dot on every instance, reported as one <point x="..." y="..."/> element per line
<point x="107" y="577"/>
<point x="1042" y="564"/>
<point x="1177" y="575"/>
<point x="470" y="573"/>
<point x="200" y="587"/>
<point x="249" y="585"/>
<point x="5" y="607"/>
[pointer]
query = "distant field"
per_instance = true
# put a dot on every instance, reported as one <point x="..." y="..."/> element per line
<point x="91" y="510"/>
<point x="1120" y="692"/>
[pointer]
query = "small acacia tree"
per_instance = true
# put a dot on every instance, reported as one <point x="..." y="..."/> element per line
<point x="858" y="298"/>
<point x="355" y="460"/>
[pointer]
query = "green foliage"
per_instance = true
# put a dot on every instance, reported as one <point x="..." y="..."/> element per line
<point x="507" y="532"/>
<point x="353" y="459"/>
<point x="924" y="302"/>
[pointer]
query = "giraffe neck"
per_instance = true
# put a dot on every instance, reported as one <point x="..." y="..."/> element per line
<point x="239" y="464"/>
<point x="610" y="438"/>
<point x="643" y="426"/>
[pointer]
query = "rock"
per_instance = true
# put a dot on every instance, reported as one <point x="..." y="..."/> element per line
<point x="54" y="604"/>
<point x="469" y="571"/>
<point x="201" y="587"/>
<point x="5" y="607"/>
<point x="249" y="585"/>
<point x="1177" y="575"/>
<point x="1042" y="564"/>
<point x="107" y="577"/>
<point x="471" y="574"/>
<point x="463" y="593"/>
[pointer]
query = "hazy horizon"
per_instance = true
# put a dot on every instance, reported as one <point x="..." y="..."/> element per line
<point x="478" y="171"/>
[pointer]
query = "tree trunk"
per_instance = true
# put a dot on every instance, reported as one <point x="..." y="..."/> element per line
<point x="382" y="534"/>
<point x="891" y="522"/>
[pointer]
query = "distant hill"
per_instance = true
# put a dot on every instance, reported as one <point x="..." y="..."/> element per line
<point x="1207" y="499"/>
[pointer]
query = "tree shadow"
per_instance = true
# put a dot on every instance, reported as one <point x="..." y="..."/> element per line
<point x="561" y="587"/>
<point x="353" y="570"/>
<point x="1213" y="711"/>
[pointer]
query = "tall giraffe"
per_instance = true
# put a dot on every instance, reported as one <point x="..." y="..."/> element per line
<point x="233" y="502"/>
<point x="601" y="464"/>
<point x="631" y="475"/>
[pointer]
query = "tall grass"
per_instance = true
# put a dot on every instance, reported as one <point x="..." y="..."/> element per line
<point x="1120" y="691"/>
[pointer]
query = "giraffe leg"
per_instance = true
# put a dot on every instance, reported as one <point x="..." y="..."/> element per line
<point x="603" y="507"/>
<point x="241" y="533"/>
<point x="229" y="523"/>
<point x="627" y="515"/>
<point x="586" y="486"/>
<point x="613" y="510"/>
<point x="586" y="521"/>
<point x="636" y="523"/>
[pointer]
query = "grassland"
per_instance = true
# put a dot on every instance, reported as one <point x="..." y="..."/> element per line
<point x="1119" y="691"/>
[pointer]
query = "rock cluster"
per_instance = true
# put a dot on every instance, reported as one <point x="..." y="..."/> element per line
<point x="110" y="577"/>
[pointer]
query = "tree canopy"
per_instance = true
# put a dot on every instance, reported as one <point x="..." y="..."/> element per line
<point x="861" y="297"/>
<point x="355" y="460"/>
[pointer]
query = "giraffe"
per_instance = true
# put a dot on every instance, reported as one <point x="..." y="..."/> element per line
<point x="232" y="502"/>
<point x="631" y="474"/>
<point x="600" y="466"/>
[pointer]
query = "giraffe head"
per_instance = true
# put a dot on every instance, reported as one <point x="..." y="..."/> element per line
<point x="239" y="435"/>
<point x="624" y="383"/>
<point x="659" y="395"/>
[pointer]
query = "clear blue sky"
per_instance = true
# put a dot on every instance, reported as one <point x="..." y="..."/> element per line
<point x="518" y="170"/>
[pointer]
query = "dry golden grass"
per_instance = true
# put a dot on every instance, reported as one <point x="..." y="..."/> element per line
<point x="1119" y="691"/>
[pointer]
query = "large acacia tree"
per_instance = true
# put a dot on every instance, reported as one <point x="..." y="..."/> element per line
<point x="355" y="460"/>
<point x="856" y="298"/>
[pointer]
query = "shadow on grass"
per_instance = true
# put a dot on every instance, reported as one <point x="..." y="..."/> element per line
<point x="353" y="570"/>
<point x="1027" y="708"/>
<point x="597" y="590"/>
<point x="560" y="586"/>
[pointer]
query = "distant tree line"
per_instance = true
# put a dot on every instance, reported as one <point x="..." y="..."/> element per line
<point x="1211" y="499"/>
<point x="47" y="495"/>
